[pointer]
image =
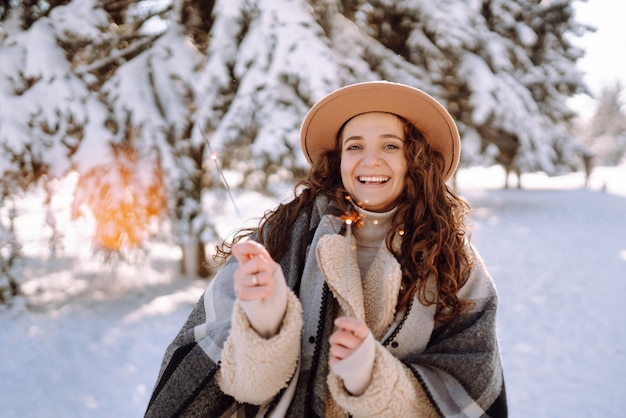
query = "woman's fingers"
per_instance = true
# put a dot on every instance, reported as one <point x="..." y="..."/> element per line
<point x="254" y="286"/>
<point x="352" y="325"/>
<point x="347" y="338"/>
<point x="253" y="258"/>
<point x="254" y="279"/>
<point x="246" y="250"/>
<point x="338" y="353"/>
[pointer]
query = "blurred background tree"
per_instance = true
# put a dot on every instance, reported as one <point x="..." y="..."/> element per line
<point x="606" y="133"/>
<point x="80" y="81"/>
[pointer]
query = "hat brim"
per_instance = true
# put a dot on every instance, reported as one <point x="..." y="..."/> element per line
<point x="323" y="121"/>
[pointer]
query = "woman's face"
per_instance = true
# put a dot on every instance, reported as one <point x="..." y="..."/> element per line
<point x="373" y="166"/>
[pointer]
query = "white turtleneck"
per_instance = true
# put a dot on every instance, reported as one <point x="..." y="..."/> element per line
<point x="371" y="236"/>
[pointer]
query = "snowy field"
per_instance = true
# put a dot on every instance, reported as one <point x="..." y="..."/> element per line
<point x="91" y="341"/>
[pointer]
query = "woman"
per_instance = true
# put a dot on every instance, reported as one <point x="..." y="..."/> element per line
<point x="362" y="296"/>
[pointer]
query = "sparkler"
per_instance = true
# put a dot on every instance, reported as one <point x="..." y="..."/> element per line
<point x="219" y="169"/>
<point x="349" y="219"/>
<point x="349" y="238"/>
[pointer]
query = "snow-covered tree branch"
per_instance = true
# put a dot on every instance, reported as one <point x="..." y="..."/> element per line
<point x="81" y="80"/>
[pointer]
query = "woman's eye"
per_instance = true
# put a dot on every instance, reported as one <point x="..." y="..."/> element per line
<point x="391" y="146"/>
<point x="352" y="147"/>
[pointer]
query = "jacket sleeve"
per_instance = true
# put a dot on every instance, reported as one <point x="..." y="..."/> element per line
<point x="254" y="369"/>
<point x="187" y="383"/>
<point x="393" y="392"/>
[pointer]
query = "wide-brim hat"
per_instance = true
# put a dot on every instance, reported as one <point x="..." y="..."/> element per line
<point x="322" y="123"/>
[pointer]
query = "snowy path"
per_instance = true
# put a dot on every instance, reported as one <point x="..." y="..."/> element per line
<point x="559" y="262"/>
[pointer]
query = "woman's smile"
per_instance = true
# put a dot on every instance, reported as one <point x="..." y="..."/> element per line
<point x="373" y="180"/>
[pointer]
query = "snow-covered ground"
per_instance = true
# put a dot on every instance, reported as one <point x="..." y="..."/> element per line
<point x="92" y="343"/>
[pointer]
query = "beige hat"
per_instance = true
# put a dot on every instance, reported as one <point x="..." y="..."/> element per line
<point x="321" y="125"/>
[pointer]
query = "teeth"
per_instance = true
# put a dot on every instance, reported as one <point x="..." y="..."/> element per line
<point x="364" y="179"/>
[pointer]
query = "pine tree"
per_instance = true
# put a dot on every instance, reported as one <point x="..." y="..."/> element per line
<point x="503" y="68"/>
<point x="43" y="112"/>
<point x="43" y="102"/>
<point x="267" y="62"/>
<point x="11" y="258"/>
<point x="176" y="84"/>
<point x="551" y="78"/>
<point x="150" y="91"/>
<point x="607" y="127"/>
<point x="109" y="79"/>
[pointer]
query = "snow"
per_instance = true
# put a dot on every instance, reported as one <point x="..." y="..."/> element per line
<point x="79" y="18"/>
<point x="92" y="341"/>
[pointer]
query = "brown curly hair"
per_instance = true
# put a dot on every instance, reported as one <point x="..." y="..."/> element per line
<point x="429" y="220"/>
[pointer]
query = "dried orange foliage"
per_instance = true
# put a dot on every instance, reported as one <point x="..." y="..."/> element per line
<point x="124" y="196"/>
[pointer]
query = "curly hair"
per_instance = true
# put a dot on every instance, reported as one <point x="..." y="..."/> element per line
<point x="435" y="236"/>
<point x="429" y="222"/>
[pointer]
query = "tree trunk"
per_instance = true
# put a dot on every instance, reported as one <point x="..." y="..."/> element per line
<point x="507" y="171"/>
<point x="193" y="262"/>
<point x="518" y="172"/>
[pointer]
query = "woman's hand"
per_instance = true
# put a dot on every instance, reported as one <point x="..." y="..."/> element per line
<point x="347" y="338"/>
<point x="260" y="287"/>
<point x="254" y="279"/>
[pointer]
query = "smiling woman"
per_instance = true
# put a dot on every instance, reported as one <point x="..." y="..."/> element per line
<point x="360" y="297"/>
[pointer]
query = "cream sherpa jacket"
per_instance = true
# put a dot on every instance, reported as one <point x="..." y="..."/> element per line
<point x="393" y="392"/>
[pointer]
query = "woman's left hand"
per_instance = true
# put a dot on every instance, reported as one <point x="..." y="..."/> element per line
<point x="347" y="338"/>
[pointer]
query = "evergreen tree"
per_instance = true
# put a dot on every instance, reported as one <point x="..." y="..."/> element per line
<point x="546" y="67"/>
<point x="11" y="260"/>
<point x="268" y="62"/>
<point x="151" y="95"/>
<point x="139" y="96"/>
<point x="607" y="127"/>
<point x="44" y="105"/>
<point x="111" y="80"/>
<point x="504" y="69"/>
<point x="44" y="111"/>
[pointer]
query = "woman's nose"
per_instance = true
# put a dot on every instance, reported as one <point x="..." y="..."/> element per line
<point x="370" y="159"/>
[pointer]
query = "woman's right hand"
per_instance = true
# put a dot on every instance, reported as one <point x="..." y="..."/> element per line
<point x="254" y="279"/>
<point x="260" y="287"/>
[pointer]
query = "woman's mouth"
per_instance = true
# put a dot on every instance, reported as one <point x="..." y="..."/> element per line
<point x="373" y="179"/>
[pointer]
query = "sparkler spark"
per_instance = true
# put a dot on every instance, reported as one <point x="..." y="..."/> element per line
<point x="219" y="169"/>
<point x="348" y="219"/>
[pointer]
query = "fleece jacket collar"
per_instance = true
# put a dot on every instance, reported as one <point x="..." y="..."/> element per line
<point x="381" y="285"/>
